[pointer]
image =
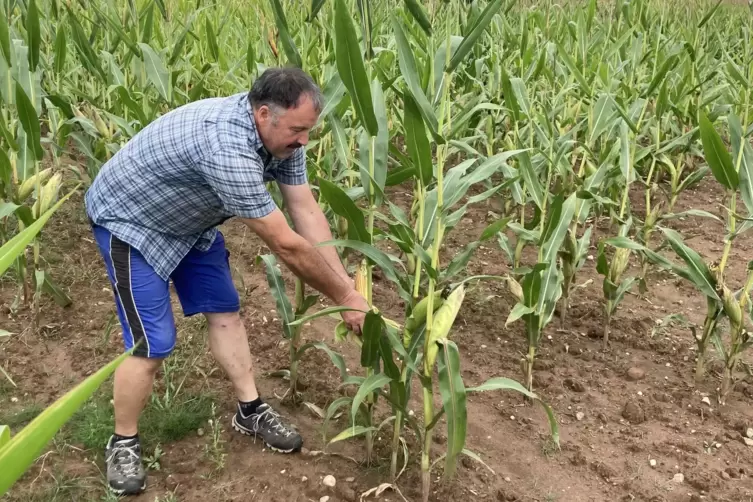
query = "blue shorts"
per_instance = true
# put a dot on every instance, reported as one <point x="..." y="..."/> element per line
<point x="142" y="298"/>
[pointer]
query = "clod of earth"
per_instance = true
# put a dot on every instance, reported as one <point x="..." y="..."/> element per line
<point x="635" y="374"/>
<point x="574" y="385"/>
<point x="633" y="413"/>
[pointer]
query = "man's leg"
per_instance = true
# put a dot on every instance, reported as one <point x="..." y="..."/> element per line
<point x="142" y="301"/>
<point x="229" y="345"/>
<point x="205" y="285"/>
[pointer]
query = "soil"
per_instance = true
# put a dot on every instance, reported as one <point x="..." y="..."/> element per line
<point x="618" y="409"/>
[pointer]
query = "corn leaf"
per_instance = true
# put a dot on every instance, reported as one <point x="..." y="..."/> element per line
<point x="419" y="14"/>
<point x="156" y="72"/>
<point x="517" y="312"/>
<point x="502" y="383"/>
<point x="377" y="256"/>
<point x="316" y="6"/>
<point x="288" y="45"/>
<point x="708" y="15"/>
<point x="127" y="100"/>
<point x="371" y="384"/>
<point x="32" y="30"/>
<point x="626" y="166"/>
<point x="738" y="140"/>
<point x="81" y="41"/>
<point x="333" y="94"/>
<point x="4" y="436"/>
<point x="336" y="358"/>
<point x="531" y="180"/>
<point x="277" y="288"/>
<point x="23" y="449"/>
<point x="668" y="65"/>
<point x="454" y="401"/>
<point x="479" y="26"/>
<point x="558" y="222"/>
<point x="409" y="72"/>
<point x="351" y="67"/>
<point x="373" y="328"/>
<point x="351" y="432"/>
<point x="214" y="50"/>
<point x="344" y="206"/>
<point x="61" y="48"/>
<point x="416" y="140"/>
<point x="329" y="311"/>
<point x="5" y="37"/>
<point x="698" y="271"/>
<point x="27" y="115"/>
<point x="717" y="156"/>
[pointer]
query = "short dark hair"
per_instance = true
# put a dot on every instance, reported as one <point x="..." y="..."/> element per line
<point x="283" y="87"/>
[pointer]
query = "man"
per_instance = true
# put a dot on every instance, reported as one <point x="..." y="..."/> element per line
<point x="155" y="207"/>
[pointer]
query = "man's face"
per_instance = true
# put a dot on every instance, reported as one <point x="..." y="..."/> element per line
<point x="285" y="131"/>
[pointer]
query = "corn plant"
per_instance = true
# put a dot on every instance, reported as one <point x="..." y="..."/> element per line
<point x="290" y="313"/>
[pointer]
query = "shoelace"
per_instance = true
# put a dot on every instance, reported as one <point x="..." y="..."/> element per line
<point x="273" y="418"/>
<point x="125" y="459"/>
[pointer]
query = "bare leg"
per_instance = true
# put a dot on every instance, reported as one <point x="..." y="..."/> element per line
<point x="229" y="345"/>
<point x="133" y="385"/>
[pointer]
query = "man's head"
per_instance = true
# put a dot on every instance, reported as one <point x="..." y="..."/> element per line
<point x="286" y="103"/>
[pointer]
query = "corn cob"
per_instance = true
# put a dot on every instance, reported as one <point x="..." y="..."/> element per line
<point x="418" y="315"/>
<point x="731" y="307"/>
<point x="48" y="195"/>
<point x="443" y="320"/>
<point x="619" y="264"/>
<point x="29" y="183"/>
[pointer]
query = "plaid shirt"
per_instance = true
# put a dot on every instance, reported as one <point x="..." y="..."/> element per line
<point x="169" y="188"/>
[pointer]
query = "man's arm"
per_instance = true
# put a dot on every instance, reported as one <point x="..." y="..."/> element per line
<point x="309" y="222"/>
<point x="307" y="263"/>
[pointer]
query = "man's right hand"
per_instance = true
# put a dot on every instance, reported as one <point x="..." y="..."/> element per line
<point x="353" y="319"/>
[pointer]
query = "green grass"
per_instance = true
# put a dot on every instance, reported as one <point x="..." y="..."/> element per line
<point x="21" y="417"/>
<point x="93" y="424"/>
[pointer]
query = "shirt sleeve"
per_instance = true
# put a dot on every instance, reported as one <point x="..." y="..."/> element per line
<point x="237" y="178"/>
<point x="293" y="170"/>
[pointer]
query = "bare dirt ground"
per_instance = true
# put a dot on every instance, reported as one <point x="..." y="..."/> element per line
<point x="605" y="456"/>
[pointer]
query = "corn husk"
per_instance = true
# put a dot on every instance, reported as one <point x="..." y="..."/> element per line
<point x="441" y="324"/>
<point x="28" y="185"/>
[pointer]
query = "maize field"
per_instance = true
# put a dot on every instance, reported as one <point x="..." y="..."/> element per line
<point x="547" y="204"/>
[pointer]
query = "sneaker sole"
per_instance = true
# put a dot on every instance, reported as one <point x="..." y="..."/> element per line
<point x="247" y="432"/>
<point x="122" y="491"/>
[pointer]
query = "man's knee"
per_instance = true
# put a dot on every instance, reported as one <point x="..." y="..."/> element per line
<point x="224" y="320"/>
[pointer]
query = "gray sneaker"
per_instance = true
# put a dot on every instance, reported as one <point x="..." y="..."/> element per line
<point x="267" y="424"/>
<point x="125" y="473"/>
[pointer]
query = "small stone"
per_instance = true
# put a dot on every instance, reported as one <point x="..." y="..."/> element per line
<point x="512" y="417"/>
<point x="668" y="365"/>
<point x="14" y="400"/>
<point x="748" y="441"/>
<point x="350" y="479"/>
<point x="324" y="499"/>
<point x="749" y="432"/>
<point x="282" y="471"/>
<point x="329" y="481"/>
<point x="483" y="346"/>
<point x="640" y="393"/>
<point x="579" y="416"/>
<point x="678" y="478"/>
<point x="508" y="479"/>
<point x="652" y="462"/>
<point x="706" y="400"/>
<point x="635" y="374"/>
<point x="200" y="432"/>
<point x="304" y="479"/>
<point x="725" y="475"/>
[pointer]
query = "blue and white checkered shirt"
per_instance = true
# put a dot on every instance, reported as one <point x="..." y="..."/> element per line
<point x="169" y="188"/>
